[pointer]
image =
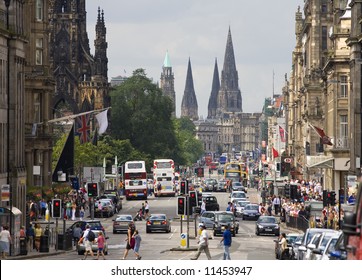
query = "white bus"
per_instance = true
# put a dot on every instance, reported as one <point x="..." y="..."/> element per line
<point x="135" y="179"/>
<point x="164" y="174"/>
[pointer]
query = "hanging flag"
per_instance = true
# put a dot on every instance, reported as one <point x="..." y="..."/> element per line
<point x="282" y="134"/>
<point x="102" y="121"/>
<point x="83" y="128"/>
<point x="275" y="153"/>
<point x="325" y="139"/>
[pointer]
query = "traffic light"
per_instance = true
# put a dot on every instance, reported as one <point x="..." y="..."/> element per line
<point x="56" y="208"/>
<point x="181" y="205"/>
<point x="192" y="201"/>
<point x="92" y="189"/>
<point x="287" y="191"/>
<point x="325" y="198"/>
<point x="184" y="187"/>
<point x="332" y="198"/>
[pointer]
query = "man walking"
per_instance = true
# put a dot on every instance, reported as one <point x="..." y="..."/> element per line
<point x="276" y="204"/>
<point x="226" y="241"/>
<point x="203" y="244"/>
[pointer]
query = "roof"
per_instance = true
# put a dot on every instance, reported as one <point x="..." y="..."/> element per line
<point x="167" y="62"/>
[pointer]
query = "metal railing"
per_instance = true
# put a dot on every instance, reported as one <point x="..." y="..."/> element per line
<point x="300" y="223"/>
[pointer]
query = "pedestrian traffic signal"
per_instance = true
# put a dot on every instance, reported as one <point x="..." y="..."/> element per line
<point x="56" y="208"/>
<point x="92" y="189"/>
<point x="184" y="187"/>
<point x="181" y="205"/>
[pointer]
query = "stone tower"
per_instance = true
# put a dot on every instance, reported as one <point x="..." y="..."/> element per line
<point x="167" y="82"/>
<point x="229" y="99"/>
<point x="189" y="106"/>
<point x="212" y="107"/>
<point x="81" y="78"/>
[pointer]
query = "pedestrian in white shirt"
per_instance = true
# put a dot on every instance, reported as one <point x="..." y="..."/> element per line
<point x="203" y="244"/>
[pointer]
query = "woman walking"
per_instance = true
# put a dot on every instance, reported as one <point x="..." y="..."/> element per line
<point x="38" y="234"/>
<point x="100" y="243"/>
<point x="137" y="244"/>
<point x="130" y="240"/>
<point x="5" y="241"/>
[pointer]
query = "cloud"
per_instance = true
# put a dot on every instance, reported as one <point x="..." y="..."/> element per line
<point x="140" y="32"/>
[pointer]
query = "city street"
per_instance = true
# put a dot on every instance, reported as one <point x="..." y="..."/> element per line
<point x="164" y="246"/>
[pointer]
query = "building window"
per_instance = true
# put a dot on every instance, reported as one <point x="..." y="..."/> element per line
<point x="324" y="7"/>
<point x="343" y="86"/>
<point x="324" y="37"/>
<point x="343" y="126"/>
<point x="37" y="106"/>
<point x="39" y="51"/>
<point x="39" y="8"/>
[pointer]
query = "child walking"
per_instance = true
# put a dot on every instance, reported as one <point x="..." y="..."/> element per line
<point x="100" y="242"/>
<point x="137" y="244"/>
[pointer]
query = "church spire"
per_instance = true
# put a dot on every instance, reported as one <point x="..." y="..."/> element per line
<point x="229" y="99"/>
<point x="100" y="46"/>
<point x="189" y="107"/>
<point x="212" y="107"/>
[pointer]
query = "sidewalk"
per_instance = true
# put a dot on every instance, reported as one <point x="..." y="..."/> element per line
<point x="35" y="254"/>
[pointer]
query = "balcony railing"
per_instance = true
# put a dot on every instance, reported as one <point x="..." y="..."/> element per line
<point x="342" y="143"/>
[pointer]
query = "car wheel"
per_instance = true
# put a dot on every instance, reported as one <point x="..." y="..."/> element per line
<point x="243" y="218"/>
<point x="214" y="233"/>
<point x="114" y="231"/>
<point x="257" y="232"/>
<point x="148" y="231"/>
<point x="277" y="233"/>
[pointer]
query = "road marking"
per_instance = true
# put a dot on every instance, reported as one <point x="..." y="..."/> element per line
<point x="117" y="246"/>
<point x="174" y="231"/>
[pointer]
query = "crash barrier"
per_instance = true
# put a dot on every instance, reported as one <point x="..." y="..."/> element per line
<point x="300" y="223"/>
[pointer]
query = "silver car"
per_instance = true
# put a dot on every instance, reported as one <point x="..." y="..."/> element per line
<point x="81" y="247"/>
<point x="207" y="218"/>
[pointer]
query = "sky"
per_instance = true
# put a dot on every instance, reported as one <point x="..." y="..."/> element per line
<point x="140" y="32"/>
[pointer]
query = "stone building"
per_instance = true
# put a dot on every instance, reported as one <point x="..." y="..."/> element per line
<point x="167" y="82"/>
<point x="81" y="78"/>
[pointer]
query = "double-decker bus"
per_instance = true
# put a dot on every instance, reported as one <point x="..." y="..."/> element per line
<point x="135" y="179"/>
<point x="164" y="174"/>
<point x="237" y="172"/>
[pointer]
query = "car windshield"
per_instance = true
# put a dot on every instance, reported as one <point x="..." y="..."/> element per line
<point x="124" y="218"/>
<point x="251" y="207"/>
<point x="237" y="184"/>
<point x="243" y="203"/>
<point x="332" y="245"/>
<point x="270" y="220"/>
<point x="158" y="217"/>
<point x="225" y="218"/>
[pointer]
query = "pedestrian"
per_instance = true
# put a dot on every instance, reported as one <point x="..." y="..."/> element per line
<point x="87" y="242"/>
<point x="77" y="234"/>
<point x="22" y="233"/>
<point x="100" y="242"/>
<point x="283" y="247"/>
<point x="226" y="241"/>
<point x="43" y="206"/>
<point x="5" y="241"/>
<point x="38" y="233"/>
<point x="143" y="209"/>
<point x="203" y="207"/>
<point x="74" y="208"/>
<point x="147" y="209"/>
<point x="130" y="240"/>
<point x="203" y="244"/>
<point x="68" y="209"/>
<point x="159" y="189"/>
<point x="81" y="213"/>
<point x="137" y="244"/>
<point x="276" y="204"/>
<point x="30" y="234"/>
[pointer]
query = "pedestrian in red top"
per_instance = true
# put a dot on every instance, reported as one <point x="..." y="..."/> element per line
<point x="100" y="243"/>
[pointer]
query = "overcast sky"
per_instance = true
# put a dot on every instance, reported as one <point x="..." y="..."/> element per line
<point x="139" y="32"/>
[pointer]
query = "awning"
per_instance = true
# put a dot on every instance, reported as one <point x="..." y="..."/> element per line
<point x="325" y="163"/>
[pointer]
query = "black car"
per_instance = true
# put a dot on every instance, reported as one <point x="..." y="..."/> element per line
<point x="251" y="212"/>
<point x="209" y="185"/>
<point x="224" y="219"/>
<point x="267" y="225"/>
<point x="211" y="203"/>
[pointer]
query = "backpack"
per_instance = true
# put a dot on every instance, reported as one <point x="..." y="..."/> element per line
<point x="91" y="236"/>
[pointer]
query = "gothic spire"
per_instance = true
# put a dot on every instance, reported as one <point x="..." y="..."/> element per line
<point x="189" y="107"/>
<point x="212" y="107"/>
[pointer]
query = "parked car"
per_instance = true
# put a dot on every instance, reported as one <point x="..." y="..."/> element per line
<point x="110" y="200"/>
<point x="267" y="225"/>
<point x="326" y="246"/>
<point x="158" y="222"/>
<point x="251" y="212"/>
<point x="307" y="237"/>
<point x="207" y="218"/>
<point x="116" y="199"/>
<point x="240" y="205"/>
<point x="121" y="222"/>
<point x="224" y="219"/>
<point x="209" y="185"/>
<point x="295" y="246"/>
<point x="319" y="243"/>
<point x="94" y="225"/>
<point x="81" y="246"/>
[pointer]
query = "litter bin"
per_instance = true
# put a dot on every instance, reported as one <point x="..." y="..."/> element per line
<point x="44" y="244"/>
<point x="23" y="249"/>
<point x="67" y="245"/>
